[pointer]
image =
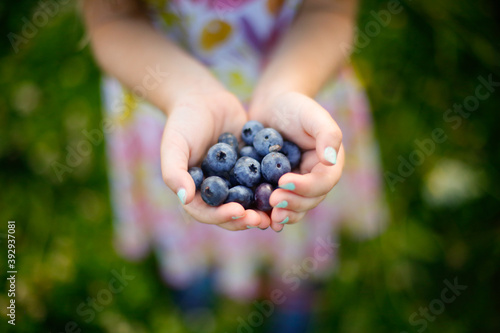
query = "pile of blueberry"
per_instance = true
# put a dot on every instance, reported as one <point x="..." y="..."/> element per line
<point x="248" y="175"/>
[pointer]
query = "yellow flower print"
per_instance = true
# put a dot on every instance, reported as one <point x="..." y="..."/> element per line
<point x="214" y="33"/>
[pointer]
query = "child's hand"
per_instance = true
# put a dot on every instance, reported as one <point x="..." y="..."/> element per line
<point x="195" y="122"/>
<point x="301" y="120"/>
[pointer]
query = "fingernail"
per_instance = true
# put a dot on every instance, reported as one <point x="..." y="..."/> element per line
<point x="251" y="227"/>
<point x="282" y="204"/>
<point x="285" y="221"/>
<point x="330" y="155"/>
<point x="288" y="186"/>
<point x="237" y="217"/>
<point x="182" y="195"/>
<point x="280" y="230"/>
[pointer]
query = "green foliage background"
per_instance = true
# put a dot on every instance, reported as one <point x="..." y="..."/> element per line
<point x="427" y="58"/>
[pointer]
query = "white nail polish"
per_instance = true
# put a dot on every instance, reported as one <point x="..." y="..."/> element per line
<point x="330" y="155"/>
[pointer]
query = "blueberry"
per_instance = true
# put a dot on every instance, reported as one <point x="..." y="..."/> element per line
<point x="206" y="169"/>
<point x="249" y="130"/>
<point x="214" y="190"/>
<point x="247" y="171"/>
<point x="267" y="140"/>
<point x="250" y="152"/>
<point x="240" y="194"/>
<point x="292" y="152"/>
<point x="232" y="178"/>
<point x="208" y="172"/>
<point x="221" y="157"/>
<point x="273" y="166"/>
<point x="230" y="139"/>
<point x="228" y="183"/>
<point x="197" y="176"/>
<point x="262" y="194"/>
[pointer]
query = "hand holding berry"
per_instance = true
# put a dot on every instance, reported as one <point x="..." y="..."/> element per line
<point x="195" y="121"/>
<point x="302" y="120"/>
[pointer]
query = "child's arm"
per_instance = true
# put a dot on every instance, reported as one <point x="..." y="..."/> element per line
<point x="311" y="51"/>
<point x="306" y="58"/>
<point x="127" y="46"/>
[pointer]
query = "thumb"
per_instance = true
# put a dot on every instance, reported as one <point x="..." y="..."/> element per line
<point x="174" y="165"/>
<point x="319" y="124"/>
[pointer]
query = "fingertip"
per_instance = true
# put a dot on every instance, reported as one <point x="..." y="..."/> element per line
<point x="181" y="194"/>
<point x="234" y="211"/>
<point x="277" y="227"/>
<point x="265" y="220"/>
<point x="287" y="182"/>
<point x="328" y="142"/>
<point x="186" y="189"/>
<point x="252" y="219"/>
<point x="279" y="197"/>
<point x="329" y="156"/>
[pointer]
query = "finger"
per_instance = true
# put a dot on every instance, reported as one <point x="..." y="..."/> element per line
<point x="204" y="213"/>
<point x="292" y="201"/>
<point x="318" y="182"/>
<point x="251" y="220"/>
<point x="282" y="217"/>
<point x="309" y="160"/>
<point x="265" y="220"/>
<point x="174" y="165"/>
<point x="323" y="129"/>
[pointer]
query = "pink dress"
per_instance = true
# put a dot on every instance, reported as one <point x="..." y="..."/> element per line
<point x="233" y="37"/>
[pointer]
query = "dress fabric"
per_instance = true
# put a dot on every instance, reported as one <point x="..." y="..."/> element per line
<point x="233" y="38"/>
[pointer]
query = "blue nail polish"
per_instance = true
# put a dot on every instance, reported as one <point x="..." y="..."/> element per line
<point x="288" y="186"/>
<point x="285" y="221"/>
<point x="251" y="227"/>
<point x="182" y="195"/>
<point x="237" y="217"/>
<point x="282" y="204"/>
<point x="330" y="155"/>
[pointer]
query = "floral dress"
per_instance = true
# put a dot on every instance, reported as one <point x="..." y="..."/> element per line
<point x="233" y="38"/>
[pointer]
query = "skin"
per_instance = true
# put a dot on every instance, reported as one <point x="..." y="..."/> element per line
<point x="199" y="108"/>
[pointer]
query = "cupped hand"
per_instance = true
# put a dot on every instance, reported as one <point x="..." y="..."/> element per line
<point x="303" y="121"/>
<point x="194" y="123"/>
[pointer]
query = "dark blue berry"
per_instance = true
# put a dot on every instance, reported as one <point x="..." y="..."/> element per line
<point x="197" y="176"/>
<point x="240" y="194"/>
<point x="206" y="169"/>
<point x="273" y="166"/>
<point x="230" y="139"/>
<point x="214" y="190"/>
<point x="247" y="171"/>
<point x="249" y="130"/>
<point x="267" y="140"/>
<point x="232" y="178"/>
<point x="208" y="172"/>
<point x="250" y="152"/>
<point x="221" y="157"/>
<point x="261" y="198"/>
<point x="292" y="152"/>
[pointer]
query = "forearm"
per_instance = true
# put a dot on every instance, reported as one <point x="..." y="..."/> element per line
<point x="127" y="46"/>
<point x="311" y="51"/>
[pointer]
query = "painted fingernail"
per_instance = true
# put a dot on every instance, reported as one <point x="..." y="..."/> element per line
<point x="282" y="204"/>
<point x="237" y="217"/>
<point x="251" y="227"/>
<point x="288" y="186"/>
<point x="330" y="155"/>
<point x="285" y="221"/>
<point x="182" y="195"/>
